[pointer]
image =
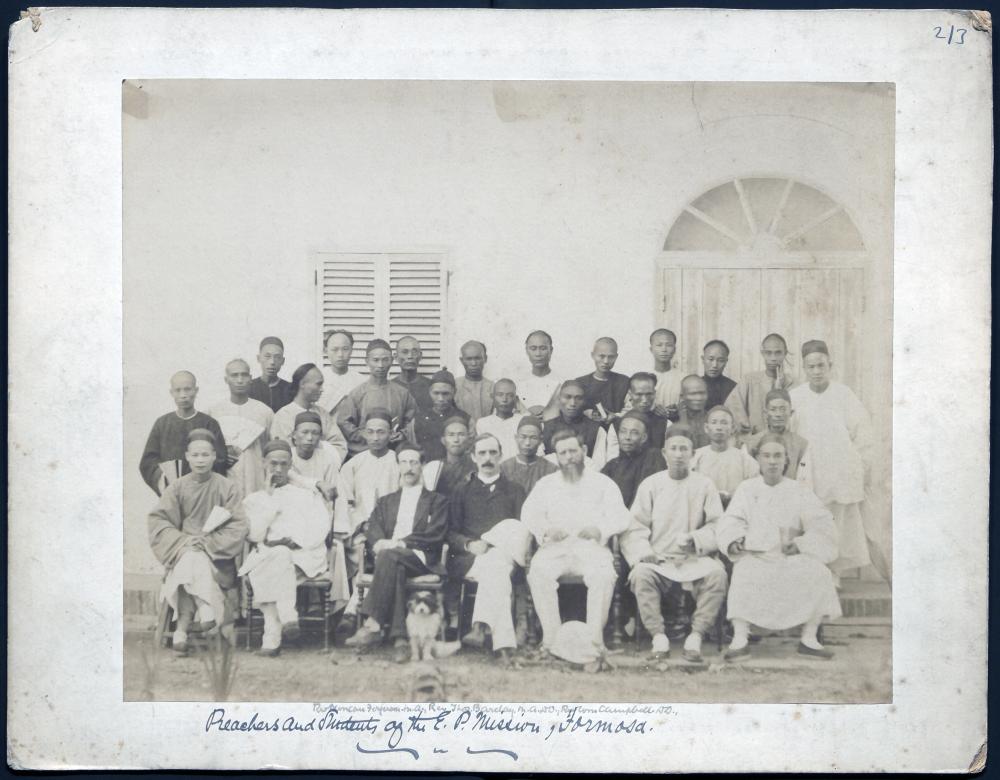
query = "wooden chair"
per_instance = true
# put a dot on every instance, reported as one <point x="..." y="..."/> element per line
<point x="319" y="585"/>
<point x="433" y="582"/>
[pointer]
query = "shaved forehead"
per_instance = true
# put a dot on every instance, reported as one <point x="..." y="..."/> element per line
<point x="182" y="376"/>
<point x="407" y="340"/>
<point x="237" y="362"/>
<point x="506" y="383"/>
<point x="692" y="381"/>
<point x="470" y="346"/>
<point x="607" y="343"/>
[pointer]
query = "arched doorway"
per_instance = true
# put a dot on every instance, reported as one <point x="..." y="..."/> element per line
<point x="759" y="255"/>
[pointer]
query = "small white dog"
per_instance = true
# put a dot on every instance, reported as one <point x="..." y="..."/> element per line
<point x="423" y="623"/>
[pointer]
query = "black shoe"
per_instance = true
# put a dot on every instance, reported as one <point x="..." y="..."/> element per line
<point x="732" y="655"/>
<point x="821" y="653"/>
<point x="451" y="634"/>
<point x="476" y="637"/>
<point x="272" y="652"/>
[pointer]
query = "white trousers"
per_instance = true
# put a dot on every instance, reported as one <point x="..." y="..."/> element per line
<point x="195" y="572"/>
<point x="491" y="571"/>
<point x="275" y="583"/>
<point x="590" y="560"/>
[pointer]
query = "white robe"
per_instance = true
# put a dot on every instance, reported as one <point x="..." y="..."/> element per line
<point x="839" y="432"/>
<point x="301" y="516"/>
<point x="284" y="423"/>
<point x="248" y="472"/>
<point x="538" y="391"/>
<point x="572" y="506"/>
<point x="361" y="482"/>
<point x="505" y="432"/>
<point x="337" y="386"/>
<point x="323" y="466"/>
<point x="668" y="387"/>
<point x="771" y="589"/>
<point x="663" y="509"/>
<point x="727" y="469"/>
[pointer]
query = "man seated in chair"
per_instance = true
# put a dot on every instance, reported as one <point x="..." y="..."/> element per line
<point x="485" y="540"/>
<point x="405" y="534"/>
<point x="572" y="514"/>
<point x="289" y="526"/>
<point x="196" y="531"/>
<point x="669" y="541"/>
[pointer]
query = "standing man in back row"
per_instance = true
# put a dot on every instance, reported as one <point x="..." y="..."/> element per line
<point x="269" y="388"/>
<point x="538" y="392"/>
<point x="408" y="354"/>
<point x="377" y="393"/>
<point x="339" y="379"/>
<point x="605" y="390"/>
<point x="474" y="392"/>
<point x="714" y="357"/>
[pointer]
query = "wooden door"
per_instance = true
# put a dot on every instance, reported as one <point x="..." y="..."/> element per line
<point x="741" y="305"/>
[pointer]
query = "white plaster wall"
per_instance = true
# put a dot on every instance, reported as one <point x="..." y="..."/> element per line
<point x="551" y="199"/>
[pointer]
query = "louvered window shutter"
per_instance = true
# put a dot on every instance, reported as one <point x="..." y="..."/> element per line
<point x="384" y="295"/>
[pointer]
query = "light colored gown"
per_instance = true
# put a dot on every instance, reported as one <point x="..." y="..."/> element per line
<point x="771" y="589"/>
<point x="727" y="469"/>
<point x="839" y="432"/>
<point x="248" y="472"/>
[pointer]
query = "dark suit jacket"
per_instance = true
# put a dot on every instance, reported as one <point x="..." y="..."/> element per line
<point x="430" y="525"/>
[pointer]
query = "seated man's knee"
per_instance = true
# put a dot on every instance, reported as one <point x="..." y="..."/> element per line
<point x="716" y="580"/>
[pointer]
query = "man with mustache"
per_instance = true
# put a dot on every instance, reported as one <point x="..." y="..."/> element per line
<point x="405" y="534"/>
<point x="572" y="514"/>
<point x="486" y="505"/>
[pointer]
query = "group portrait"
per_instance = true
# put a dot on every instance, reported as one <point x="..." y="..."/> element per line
<point x="507" y="391"/>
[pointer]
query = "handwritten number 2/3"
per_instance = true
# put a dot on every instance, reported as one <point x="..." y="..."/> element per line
<point x="955" y="35"/>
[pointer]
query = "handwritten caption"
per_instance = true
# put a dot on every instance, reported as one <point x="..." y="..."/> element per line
<point x="434" y="727"/>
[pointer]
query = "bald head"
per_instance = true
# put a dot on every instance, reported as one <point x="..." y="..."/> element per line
<point x="184" y="388"/>
<point x="694" y="391"/>
<point x="605" y="354"/>
<point x="408" y="354"/>
<point x="473" y="359"/>
<point x="238" y="379"/>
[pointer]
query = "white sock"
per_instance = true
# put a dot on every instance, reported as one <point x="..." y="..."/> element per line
<point x="205" y="611"/>
<point x="693" y="642"/>
<point x="809" y="635"/>
<point x="180" y="637"/>
<point x="741" y="633"/>
<point x="372" y="624"/>
<point x="661" y="644"/>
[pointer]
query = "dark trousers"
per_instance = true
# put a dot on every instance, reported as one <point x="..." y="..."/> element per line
<point x="386" y="598"/>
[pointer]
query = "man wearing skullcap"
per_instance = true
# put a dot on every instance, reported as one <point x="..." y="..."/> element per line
<point x="572" y="401"/>
<point x="307" y="382"/>
<point x="778" y="418"/>
<point x="605" y="391"/>
<point x="637" y="460"/>
<point x="836" y="425"/>
<point x="196" y="530"/>
<point x="428" y="425"/>
<point x="339" y="379"/>
<point x="670" y="540"/>
<point x="526" y="466"/>
<point x="163" y="458"/>
<point x="377" y="392"/>
<point x="474" y="392"/>
<point x="315" y="463"/>
<point x="780" y="538"/>
<point x="245" y="422"/>
<point x="289" y="526"/>
<point x="269" y="388"/>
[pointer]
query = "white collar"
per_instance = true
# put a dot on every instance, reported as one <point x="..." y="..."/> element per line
<point x="487" y="480"/>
